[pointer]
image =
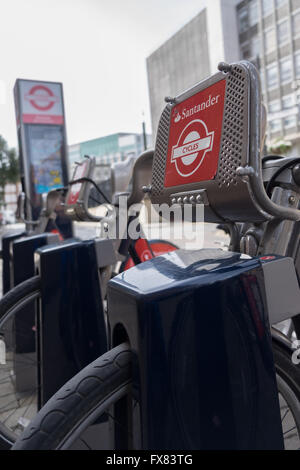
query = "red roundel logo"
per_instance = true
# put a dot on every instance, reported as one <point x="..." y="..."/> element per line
<point x="267" y="258"/>
<point x="41" y="98"/>
<point x="193" y="144"/>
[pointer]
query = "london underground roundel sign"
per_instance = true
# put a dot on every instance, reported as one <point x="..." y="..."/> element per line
<point x="41" y="97"/>
<point x="195" y="136"/>
<point x="41" y="102"/>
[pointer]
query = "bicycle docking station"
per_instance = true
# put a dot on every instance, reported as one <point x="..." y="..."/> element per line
<point x="7" y="277"/>
<point x="18" y="265"/>
<point x="204" y="375"/>
<point x="199" y="321"/>
<point x="23" y="267"/>
<point x="60" y="334"/>
<point x="71" y="322"/>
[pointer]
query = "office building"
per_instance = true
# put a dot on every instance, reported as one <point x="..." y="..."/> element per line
<point x="192" y="53"/>
<point x="107" y="150"/>
<point x="269" y="35"/>
<point x="266" y="32"/>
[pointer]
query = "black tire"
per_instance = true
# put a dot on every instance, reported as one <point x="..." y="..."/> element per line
<point x="20" y="294"/>
<point x="10" y="304"/>
<point x="288" y="381"/>
<point x="89" y="393"/>
<point x="79" y="402"/>
<point x="285" y="368"/>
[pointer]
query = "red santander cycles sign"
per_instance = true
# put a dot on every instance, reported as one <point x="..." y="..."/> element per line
<point x="195" y="137"/>
<point x="41" y="102"/>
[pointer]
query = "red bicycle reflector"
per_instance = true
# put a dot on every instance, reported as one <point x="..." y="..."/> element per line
<point x="80" y="172"/>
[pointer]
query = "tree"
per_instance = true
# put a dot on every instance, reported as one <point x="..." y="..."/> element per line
<point x="3" y="167"/>
<point x="13" y="166"/>
<point x="281" y="146"/>
<point x="9" y="167"/>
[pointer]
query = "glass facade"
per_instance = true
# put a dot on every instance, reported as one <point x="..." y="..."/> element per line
<point x="267" y="6"/>
<point x="290" y="121"/>
<point x="243" y="19"/>
<point x="297" y="65"/>
<point x="288" y="101"/>
<point x="296" y="24"/>
<point x="270" y="29"/>
<point x="272" y="76"/>
<point x="255" y="46"/>
<point x="279" y="3"/>
<point x="253" y="12"/>
<point x="270" y="40"/>
<point x="283" y="32"/>
<point x="286" y="70"/>
<point x="275" y="125"/>
<point x="274" y="106"/>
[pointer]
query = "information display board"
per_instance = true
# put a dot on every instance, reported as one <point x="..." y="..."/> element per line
<point x="42" y="141"/>
<point x="45" y="144"/>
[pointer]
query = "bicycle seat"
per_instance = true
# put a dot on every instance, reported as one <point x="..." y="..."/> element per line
<point x="121" y="174"/>
<point x="141" y="176"/>
<point x="139" y="171"/>
<point x="52" y="199"/>
<point x="208" y="149"/>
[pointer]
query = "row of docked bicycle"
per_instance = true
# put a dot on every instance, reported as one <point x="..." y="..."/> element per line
<point x="134" y="344"/>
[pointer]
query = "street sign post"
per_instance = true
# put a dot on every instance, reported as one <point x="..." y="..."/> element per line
<point x="42" y="143"/>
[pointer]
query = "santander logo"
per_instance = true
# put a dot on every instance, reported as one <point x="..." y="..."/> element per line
<point x="177" y="117"/>
<point x="188" y="112"/>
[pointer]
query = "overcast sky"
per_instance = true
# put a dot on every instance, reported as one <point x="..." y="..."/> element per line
<point x="97" y="48"/>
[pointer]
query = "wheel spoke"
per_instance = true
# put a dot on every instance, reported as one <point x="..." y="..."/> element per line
<point x="292" y="429"/>
<point x="287" y="411"/>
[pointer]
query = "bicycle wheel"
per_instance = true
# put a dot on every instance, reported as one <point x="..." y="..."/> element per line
<point x="288" y="382"/>
<point x="18" y="364"/>
<point x="91" y="411"/>
<point x="81" y="413"/>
